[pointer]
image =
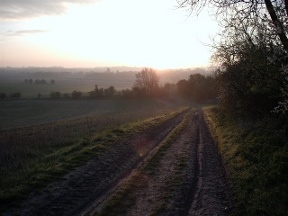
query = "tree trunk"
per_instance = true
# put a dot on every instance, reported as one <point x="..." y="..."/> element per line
<point x="286" y="7"/>
<point x="277" y="23"/>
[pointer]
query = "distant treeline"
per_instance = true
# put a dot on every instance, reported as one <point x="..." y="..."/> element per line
<point x="169" y="75"/>
<point x="39" y="81"/>
<point x="197" y="87"/>
<point x="13" y="95"/>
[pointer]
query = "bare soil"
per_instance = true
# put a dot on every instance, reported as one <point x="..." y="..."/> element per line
<point x="190" y="178"/>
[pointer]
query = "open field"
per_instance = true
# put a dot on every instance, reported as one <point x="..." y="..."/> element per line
<point x="43" y="150"/>
<point x="23" y="113"/>
<point x="62" y="85"/>
<point x="166" y="165"/>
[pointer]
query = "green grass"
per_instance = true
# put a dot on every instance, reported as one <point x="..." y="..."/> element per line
<point x="44" y="162"/>
<point x="256" y="156"/>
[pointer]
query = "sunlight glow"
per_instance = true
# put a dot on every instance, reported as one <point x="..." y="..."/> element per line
<point x="129" y="32"/>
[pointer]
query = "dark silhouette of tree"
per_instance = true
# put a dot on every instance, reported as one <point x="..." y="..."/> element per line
<point x="52" y="81"/>
<point x="254" y="32"/>
<point x="40" y="82"/>
<point x="3" y="96"/>
<point x="110" y="92"/>
<point x="183" y="88"/>
<point x="247" y="10"/>
<point x="102" y="93"/>
<point x="148" y="81"/>
<point x="76" y="94"/>
<point x="15" y="95"/>
<point x="55" y="95"/>
<point x="198" y="87"/>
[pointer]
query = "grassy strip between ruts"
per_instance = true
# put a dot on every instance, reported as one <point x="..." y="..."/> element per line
<point x="124" y="198"/>
<point x="15" y="187"/>
<point x="255" y="153"/>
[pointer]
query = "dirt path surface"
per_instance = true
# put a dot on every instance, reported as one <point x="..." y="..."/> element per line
<point x="148" y="176"/>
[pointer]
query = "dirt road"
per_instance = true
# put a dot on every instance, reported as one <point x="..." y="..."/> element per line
<point x="172" y="169"/>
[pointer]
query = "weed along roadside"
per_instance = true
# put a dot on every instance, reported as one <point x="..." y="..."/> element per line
<point x="255" y="155"/>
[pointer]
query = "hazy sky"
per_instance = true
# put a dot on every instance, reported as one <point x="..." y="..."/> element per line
<point x="91" y="33"/>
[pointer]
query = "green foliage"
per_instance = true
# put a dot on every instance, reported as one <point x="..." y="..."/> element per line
<point x="256" y="155"/>
<point x="251" y="85"/>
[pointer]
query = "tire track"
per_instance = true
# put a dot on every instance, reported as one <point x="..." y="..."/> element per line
<point x="212" y="195"/>
<point x="191" y="179"/>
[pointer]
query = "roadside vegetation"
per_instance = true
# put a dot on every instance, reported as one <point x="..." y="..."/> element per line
<point x="255" y="153"/>
<point x="251" y="120"/>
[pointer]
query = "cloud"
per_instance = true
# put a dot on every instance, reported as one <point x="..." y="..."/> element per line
<point x="19" y="9"/>
<point x="25" y="32"/>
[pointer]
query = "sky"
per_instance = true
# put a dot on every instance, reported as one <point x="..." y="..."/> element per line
<point x="97" y="33"/>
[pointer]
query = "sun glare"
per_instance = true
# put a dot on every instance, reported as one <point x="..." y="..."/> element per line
<point x="129" y="32"/>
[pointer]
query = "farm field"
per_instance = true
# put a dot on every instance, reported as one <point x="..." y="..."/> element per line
<point x="45" y="134"/>
<point x="23" y="113"/>
<point x="62" y="85"/>
<point x="168" y="165"/>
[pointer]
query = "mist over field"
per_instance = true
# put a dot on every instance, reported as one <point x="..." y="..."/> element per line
<point x="80" y="79"/>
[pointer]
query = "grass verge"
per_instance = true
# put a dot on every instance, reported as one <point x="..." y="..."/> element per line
<point x="255" y="153"/>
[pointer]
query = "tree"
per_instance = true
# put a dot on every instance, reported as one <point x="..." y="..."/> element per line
<point x="110" y="92"/>
<point x="253" y="32"/>
<point x="52" y="81"/>
<point x="55" y="95"/>
<point x="276" y="10"/>
<point x="3" y="96"/>
<point x="76" y="94"/>
<point x="198" y="88"/>
<point x="15" y="95"/>
<point x="147" y="80"/>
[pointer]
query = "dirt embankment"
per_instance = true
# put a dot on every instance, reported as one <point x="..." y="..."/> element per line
<point x="183" y="176"/>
